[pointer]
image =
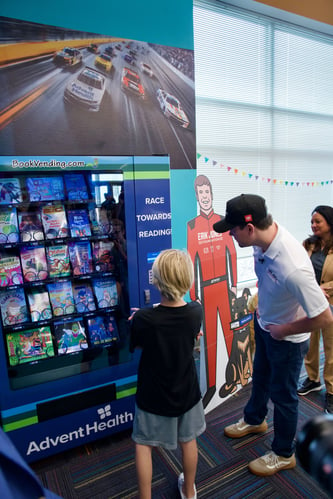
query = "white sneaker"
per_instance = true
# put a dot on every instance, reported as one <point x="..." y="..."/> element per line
<point x="180" y="488"/>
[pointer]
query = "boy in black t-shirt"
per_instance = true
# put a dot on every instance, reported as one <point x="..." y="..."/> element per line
<point x="169" y="408"/>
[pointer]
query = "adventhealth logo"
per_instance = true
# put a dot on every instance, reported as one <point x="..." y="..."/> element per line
<point x="104" y="423"/>
<point x="104" y="411"/>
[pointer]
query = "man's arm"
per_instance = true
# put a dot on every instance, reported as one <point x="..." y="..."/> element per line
<point x="279" y="331"/>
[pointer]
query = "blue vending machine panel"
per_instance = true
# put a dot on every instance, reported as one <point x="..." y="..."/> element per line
<point x="78" y="237"/>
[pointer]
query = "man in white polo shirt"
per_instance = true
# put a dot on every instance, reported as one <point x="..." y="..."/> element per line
<point x="290" y="303"/>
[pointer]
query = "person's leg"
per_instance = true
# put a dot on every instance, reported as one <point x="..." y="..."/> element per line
<point x="312" y="359"/>
<point x="256" y="408"/>
<point x="190" y="462"/>
<point x="286" y="361"/>
<point x="144" y="469"/>
<point x="327" y="334"/>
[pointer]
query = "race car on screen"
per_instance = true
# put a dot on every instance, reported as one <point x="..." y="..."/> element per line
<point x="130" y="81"/>
<point x="145" y="68"/>
<point x="171" y="108"/>
<point x="104" y="61"/>
<point x="86" y="89"/>
<point x="68" y="56"/>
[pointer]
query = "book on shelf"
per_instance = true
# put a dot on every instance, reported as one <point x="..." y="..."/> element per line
<point x="70" y="336"/>
<point x="13" y="307"/>
<point x="39" y="304"/>
<point x="10" y="191"/>
<point x="9" y="232"/>
<point x="30" y="226"/>
<point x="80" y="257"/>
<point x="61" y="297"/>
<point x="45" y="189"/>
<point x="79" y="224"/>
<point x="102" y="330"/>
<point x="100" y="225"/>
<point x="54" y="221"/>
<point x="83" y="297"/>
<point x="104" y="256"/>
<point x="58" y="260"/>
<point x="34" y="264"/>
<point x="29" y="345"/>
<point x="105" y="290"/>
<point x="76" y="187"/>
<point x="10" y="269"/>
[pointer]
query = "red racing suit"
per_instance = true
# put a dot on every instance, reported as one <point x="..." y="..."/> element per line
<point x="215" y="270"/>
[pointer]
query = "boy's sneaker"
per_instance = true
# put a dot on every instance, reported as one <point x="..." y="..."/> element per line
<point x="309" y="386"/>
<point x="329" y="404"/>
<point x="241" y="428"/>
<point x="271" y="463"/>
<point x="180" y="488"/>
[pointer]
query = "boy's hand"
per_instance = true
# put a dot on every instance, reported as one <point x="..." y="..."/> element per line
<point x="132" y="314"/>
<point x="199" y="334"/>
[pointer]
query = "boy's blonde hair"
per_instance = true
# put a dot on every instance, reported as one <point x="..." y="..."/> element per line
<point x="173" y="273"/>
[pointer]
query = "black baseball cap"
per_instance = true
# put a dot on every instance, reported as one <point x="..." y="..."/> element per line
<point x="241" y="210"/>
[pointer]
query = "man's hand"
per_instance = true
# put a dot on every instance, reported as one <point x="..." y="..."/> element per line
<point x="278" y="331"/>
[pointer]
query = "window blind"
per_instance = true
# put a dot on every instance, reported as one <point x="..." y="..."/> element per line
<point x="264" y="111"/>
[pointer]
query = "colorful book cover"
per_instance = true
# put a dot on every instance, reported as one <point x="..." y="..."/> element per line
<point x="103" y="256"/>
<point x="70" y="336"/>
<point x="61" y="298"/>
<point x="100" y="225"/>
<point x="13" y="307"/>
<point x="76" y="187"/>
<point x="10" y="270"/>
<point x="29" y="345"/>
<point x="39" y="304"/>
<point x="106" y="292"/>
<point x="45" y="189"/>
<point x="102" y="330"/>
<point x="10" y="191"/>
<point x="79" y="224"/>
<point x="34" y="265"/>
<point x="83" y="297"/>
<point x="30" y="226"/>
<point x="81" y="257"/>
<point x="54" y="221"/>
<point x="8" y="226"/>
<point x="58" y="260"/>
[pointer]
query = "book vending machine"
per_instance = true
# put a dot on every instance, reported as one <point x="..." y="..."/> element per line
<point x="78" y="237"/>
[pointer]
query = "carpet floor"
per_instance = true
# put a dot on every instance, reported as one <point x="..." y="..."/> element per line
<point x="105" y="469"/>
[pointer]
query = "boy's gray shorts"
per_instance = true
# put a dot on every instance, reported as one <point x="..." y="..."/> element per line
<point x="164" y="431"/>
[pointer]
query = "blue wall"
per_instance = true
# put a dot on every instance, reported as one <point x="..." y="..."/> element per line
<point x="166" y="22"/>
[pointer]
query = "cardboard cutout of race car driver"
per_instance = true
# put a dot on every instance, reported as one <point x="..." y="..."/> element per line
<point x="215" y="268"/>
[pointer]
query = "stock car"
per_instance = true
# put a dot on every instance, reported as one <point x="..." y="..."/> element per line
<point x="87" y="89"/>
<point x="104" y="61"/>
<point x="130" y="80"/>
<point x="93" y="48"/>
<point x="171" y="108"/>
<point x="145" y="68"/>
<point x="68" y="56"/>
<point x="130" y="59"/>
<point x="109" y="50"/>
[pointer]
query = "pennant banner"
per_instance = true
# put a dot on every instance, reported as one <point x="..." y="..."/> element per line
<point x="274" y="181"/>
